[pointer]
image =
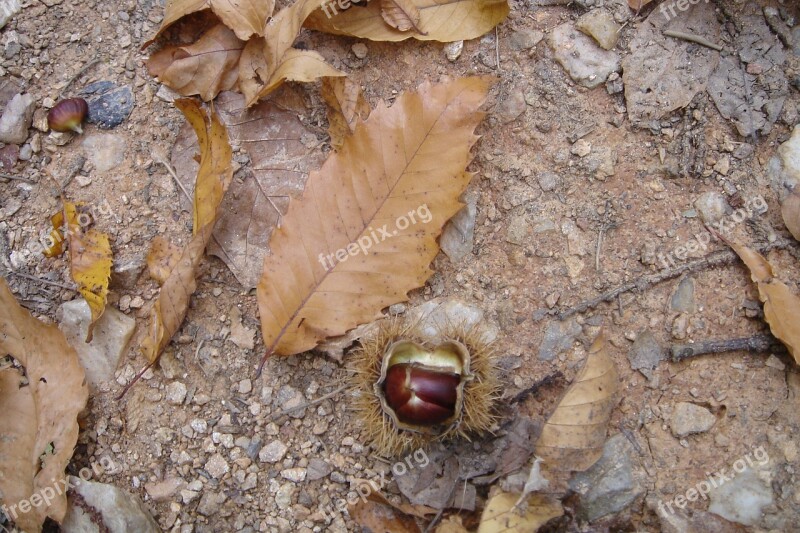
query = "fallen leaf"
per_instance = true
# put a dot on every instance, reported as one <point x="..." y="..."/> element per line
<point x="269" y="61"/>
<point x="781" y="305"/>
<point x="38" y="412"/>
<point x="213" y="178"/>
<point x="442" y="20"/>
<point x="90" y="256"/>
<point x="501" y="515"/>
<point x="205" y="68"/>
<point x="790" y="210"/>
<point x="403" y="159"/>
<point x="346" y="106"/>
<point x="451" y="524"/>
<point x="375" y="513"/>
<point x="271" y="134"/>
<point x="638" y="4"/>
<point x="162" y="258"/>
<point x="240" y="336"/>
<point x="572" y="438"/>
<point x="401" y="14"/>
<point x="245" y="17"/>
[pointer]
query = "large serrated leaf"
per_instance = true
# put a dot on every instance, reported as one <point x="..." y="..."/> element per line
<point x="342" y="253"/>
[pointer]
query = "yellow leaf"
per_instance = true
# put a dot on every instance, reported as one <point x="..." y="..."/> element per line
<point x="89" y="257"/>
<point x="442" y="20"/>
<point x="781" y="305"/>
<point x="346" y="106"/>
<point x="572" y="438"/>
<point x="501" y="515"/>
<point x="213" y="178"/>
<point x="205" y="68"/>
<point x="245" y="17"/>
<point x="266" y="63"/>
<point x="162" y="258"/>
<point x="348" y="248"/>
<point x="38" y="412"/>
<point x="401" y="14"/>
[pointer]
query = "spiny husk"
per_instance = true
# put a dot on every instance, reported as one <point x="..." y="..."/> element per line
<point x="480" y="394"/>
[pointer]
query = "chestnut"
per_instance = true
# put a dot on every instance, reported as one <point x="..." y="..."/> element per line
<point x="419" y="395"/>
<point x="68" y="115"/>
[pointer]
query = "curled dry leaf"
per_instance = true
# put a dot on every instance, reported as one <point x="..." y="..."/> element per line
<point x="572" y="438"/>
<point x="271" y="134"/>
<point x="401" y="15"/>
<point x="638" y="4"/>
<point x="38" y="412"/>
<point x="89" y="256"/>
<point x="205" y="68"/>
<point x="441" y="20"/>
<point x="376" y="513"/>
<point x="245" y="17"/>
<point x="348" y="248"/>
<point x="781" y="305"/>
<point x="269" y="61"/>
<point x="790" y="209"/>
<point x="346" y="106"/>
<point x="162" y="258"/>
<point x="213" y="178"/>
<point x="502" y="515"/>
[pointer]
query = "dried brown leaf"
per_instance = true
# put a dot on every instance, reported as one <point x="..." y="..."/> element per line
<point x="638" y="4"/>
<point x="501" y="515"/>
<point x="245" y="17"/>
<point x="781" y="305"/>
<point x="213" y="178"/>
<point x="451" y="524"/>
<point x="162" y="258"/>
<point x="266" y="63"/>
<point x="403" y="158"/>
<point x="38" y="413"/>
<point x="572" y="438"/>
<point x="273" y="137"/>
<point x="401" y="14"/>
<point x="376" y="513"/>
<point x="204" y="68"/>
<point x="346" y="106"/>
<point x="442" y="20"/>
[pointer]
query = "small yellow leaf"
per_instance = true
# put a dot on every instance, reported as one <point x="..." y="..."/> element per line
<point x="501" y="515"/>
<point x="572" y="438"/>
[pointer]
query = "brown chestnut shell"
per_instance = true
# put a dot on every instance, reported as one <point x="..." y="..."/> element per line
<point x="68" y="115"/>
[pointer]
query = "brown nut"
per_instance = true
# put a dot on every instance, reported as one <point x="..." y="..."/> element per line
<point x="68" y="115"/>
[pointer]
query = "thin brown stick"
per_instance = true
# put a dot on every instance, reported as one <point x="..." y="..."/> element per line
<point x="756" y="343"/>
<point x="17" y="178"/>
<point x="42" y="280"/>
<point x="693" y="38"/>
<point x="136" y="378"/>
<point x="717" y="259"/>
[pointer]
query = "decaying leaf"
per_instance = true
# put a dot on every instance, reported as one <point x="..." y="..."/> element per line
<point x="572" y="438"/>
<point x="442" y="20"/>
<point x="205" y="68"/>
<point x="376" y="513"/>
<point x="38" y="413"/>
<point x="162" y="258"/>
<point x="346" y="106"/>
<point x="213" y="178"/>
<point x="451" y="524"/>
<point x="281" y="157"/>
<point x="244" y="17"/>
<point x="348" y="248"/>
<point x="89" y="256"/>
<point x="781" y="305"/>
<point x="790" y="209"/>
<point x="501" y="514"/>
<point x="638" y="4"/>
<point x="401" y="14"/>
<point x="266" y="63"/>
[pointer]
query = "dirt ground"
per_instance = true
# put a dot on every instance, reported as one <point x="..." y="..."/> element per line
<point x="591" y="232"/>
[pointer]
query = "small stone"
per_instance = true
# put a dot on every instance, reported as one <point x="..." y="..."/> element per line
<point x="742" y="498"/>
<point x="774" y="362"/>
<point x="137" y="302"/>
<point x="601" y="26"/>
<point x="581" y="148"/>
<point x="16" y="119"/>
<point x="558" y="337"/>
<point x="585" y="62"/>
<point x="283" y="498"/>
<point x="109" y="504"/>
<point x="176" y="393"/>
<point x="272" y="452"/>
<point x="210" y="503"/>
<point x="453" y="50"/>
<point x="680" y="327"/>
<point x="548" y="181"/>
<point x="83" y="181"/>
<point x="723" y="166"/>
<point x="511" y="107"/>
<point x="682" y="300"/>
<point x="552" y="299"/>
<point x="317" y="469"/>
<point x="164" y="490"/>
<point x="8" y="8"/>
<point x="126" y="273"/>
<point x="199" y="425"/>
<point x="297" y="475"/>
<point x="458" y="235"/>
<point x="525" y="39"/>
<point x="217" y="466"/>
<point x="712" y="207"/>
<point x="109" y="104"/>
<point x="646" y="353"/>
<point x="688" y="418"/>
<point x="518" y="230"/>
<point x="26" y="152"/>
<point x="105" y="151"/>
<point x="9" y="155"/>
<point x="360" y="50"/>
<point x="245" y="386"/>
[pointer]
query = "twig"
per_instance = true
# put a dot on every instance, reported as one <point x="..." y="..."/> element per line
<point x="77" y="75"/>
<point x="723" y="257"/>
<point x="756" y="343"/>
<point x="42" y="280"/>
<point x="321" y="399"/>
<point x="136" y="378"/>
<point x="159" y="158"/>
<point x="693" y="38"/>
<point x="497" y="47"/>
<point x="17" y="178"/>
